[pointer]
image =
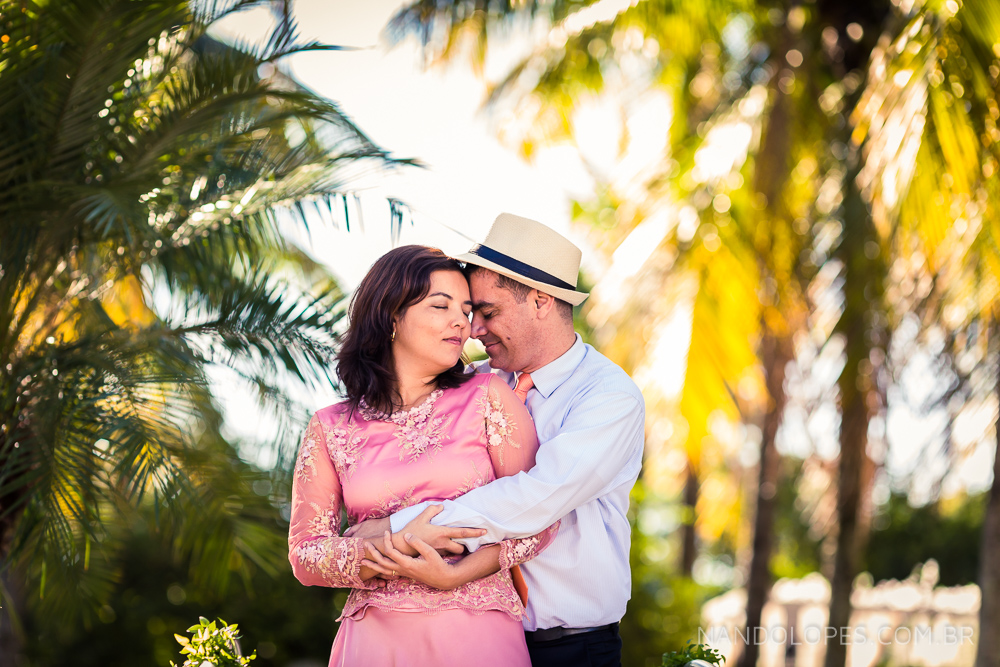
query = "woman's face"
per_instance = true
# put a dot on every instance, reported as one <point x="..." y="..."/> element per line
<point x="431" y="333"/>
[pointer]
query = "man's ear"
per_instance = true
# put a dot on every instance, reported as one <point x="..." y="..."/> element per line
<point x="544" y="304"/>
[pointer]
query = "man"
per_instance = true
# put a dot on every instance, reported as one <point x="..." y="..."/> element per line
<point x="589" y="416"/>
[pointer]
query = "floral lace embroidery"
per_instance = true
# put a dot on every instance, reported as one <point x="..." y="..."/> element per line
<point x="419" y="432"/>
<point x="515" y="552"/>
<point x="473" y="480"/>
<point x="390" y="502"/>
<point x="495" y="592"/>
<point x="371" y="414"/>
<point x="344" y="445"/>
<point x="306" y="462"/>
<point x="337" y="560"/>
<point x="325" y="524"/>
<point x="500" y="428"/>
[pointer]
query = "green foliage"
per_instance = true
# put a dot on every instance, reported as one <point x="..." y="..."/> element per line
<point x="692" y="652"/>
<point x="156" y="593"/>
<point x="218" y="646"/>
<point x="796" y="551"/>
<point x="904" y="536"/>
<point x="147" y="175"/>
<point x="664" y="611"/>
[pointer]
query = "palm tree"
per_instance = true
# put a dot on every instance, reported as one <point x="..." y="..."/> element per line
<point x="934" y="86"/>
<point x="145" y="178"/>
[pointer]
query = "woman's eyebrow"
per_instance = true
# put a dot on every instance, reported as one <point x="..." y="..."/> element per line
<point x="448" y="296"/>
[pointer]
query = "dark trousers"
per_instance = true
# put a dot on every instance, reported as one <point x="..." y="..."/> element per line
<point x="601" y="648"/>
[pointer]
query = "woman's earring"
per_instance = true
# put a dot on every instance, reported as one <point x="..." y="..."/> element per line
<point x="393" y="335"/>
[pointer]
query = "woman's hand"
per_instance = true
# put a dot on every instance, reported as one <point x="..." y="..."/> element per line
<point x="429" y="568"/>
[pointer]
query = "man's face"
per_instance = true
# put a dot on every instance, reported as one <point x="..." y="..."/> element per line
<point x="505" y="327"/>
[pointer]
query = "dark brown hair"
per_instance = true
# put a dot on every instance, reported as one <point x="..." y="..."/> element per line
<point x="399" y="279"/>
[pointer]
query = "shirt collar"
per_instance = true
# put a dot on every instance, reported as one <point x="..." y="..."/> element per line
<point x="549" y="377"/>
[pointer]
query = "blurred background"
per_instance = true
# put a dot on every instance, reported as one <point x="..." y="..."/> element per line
<point x="790" y="225"/>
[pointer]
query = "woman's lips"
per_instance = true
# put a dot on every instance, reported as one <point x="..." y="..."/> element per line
<point x="453" y="341"/>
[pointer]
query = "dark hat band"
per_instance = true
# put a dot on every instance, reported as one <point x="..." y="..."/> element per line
<point x="526" y="270"/>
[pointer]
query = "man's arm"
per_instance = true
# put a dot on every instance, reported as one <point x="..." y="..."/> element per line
<point x="598" y="449"/>
<point x="440" y="538"/>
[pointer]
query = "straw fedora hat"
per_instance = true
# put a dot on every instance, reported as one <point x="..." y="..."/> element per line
<point x="532" y="254"/>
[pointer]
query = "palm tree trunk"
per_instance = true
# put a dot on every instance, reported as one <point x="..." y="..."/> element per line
<point x="776" y="352"/>
<point x="688" y="546"/>
<point x="770" y="173"/>
<point x="862" y="290"/>
<point x="853" y="437"/>
<point x="988" y="651"/>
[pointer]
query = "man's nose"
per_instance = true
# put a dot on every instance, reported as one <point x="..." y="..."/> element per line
<point x="478" y="326"/>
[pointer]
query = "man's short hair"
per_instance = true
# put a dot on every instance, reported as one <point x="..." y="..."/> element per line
<point x="518" y="289"/>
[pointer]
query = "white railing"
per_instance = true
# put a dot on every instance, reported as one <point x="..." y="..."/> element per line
<point x="912" y="622"/>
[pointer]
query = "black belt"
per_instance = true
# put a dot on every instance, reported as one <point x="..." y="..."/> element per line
<point x="552" y="634"/>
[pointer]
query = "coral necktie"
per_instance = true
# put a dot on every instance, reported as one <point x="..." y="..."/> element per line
<point x="523" y="385"/>
<point x="521" y="388"/>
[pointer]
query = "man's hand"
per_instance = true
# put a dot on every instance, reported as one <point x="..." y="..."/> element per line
<point x="368" y="529"/>
<point x="440" y="538"/>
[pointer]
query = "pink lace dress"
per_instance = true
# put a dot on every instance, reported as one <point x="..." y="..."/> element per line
<point x="373" y="464"/>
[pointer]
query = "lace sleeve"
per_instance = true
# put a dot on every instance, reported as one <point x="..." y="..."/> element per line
<point x="512" y="443"/>
<point x="510" y="433"/>
<point x="319" y="556"/>
<point x="515" y="552"/>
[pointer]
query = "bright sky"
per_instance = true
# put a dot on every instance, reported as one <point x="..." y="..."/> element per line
<point x="434" y="116"/>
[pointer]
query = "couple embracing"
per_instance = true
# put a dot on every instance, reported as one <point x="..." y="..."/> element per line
<point x="488" y="505"/>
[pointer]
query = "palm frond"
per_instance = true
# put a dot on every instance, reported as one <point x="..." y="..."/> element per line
<point x="143" y="192"/>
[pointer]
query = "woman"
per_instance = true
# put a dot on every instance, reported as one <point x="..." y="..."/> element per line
<point x="414" y="427"/>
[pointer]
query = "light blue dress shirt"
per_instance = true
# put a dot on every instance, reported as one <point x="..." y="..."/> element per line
<point x="590" y="421"/>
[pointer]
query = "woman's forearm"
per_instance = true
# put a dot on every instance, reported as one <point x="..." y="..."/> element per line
<point x="481" y="563"/>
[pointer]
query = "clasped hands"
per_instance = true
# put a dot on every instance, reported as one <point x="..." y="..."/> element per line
<point x="416" y="551"/>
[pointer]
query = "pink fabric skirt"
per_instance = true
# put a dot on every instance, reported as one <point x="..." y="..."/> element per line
<point x="413" y="639"/>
